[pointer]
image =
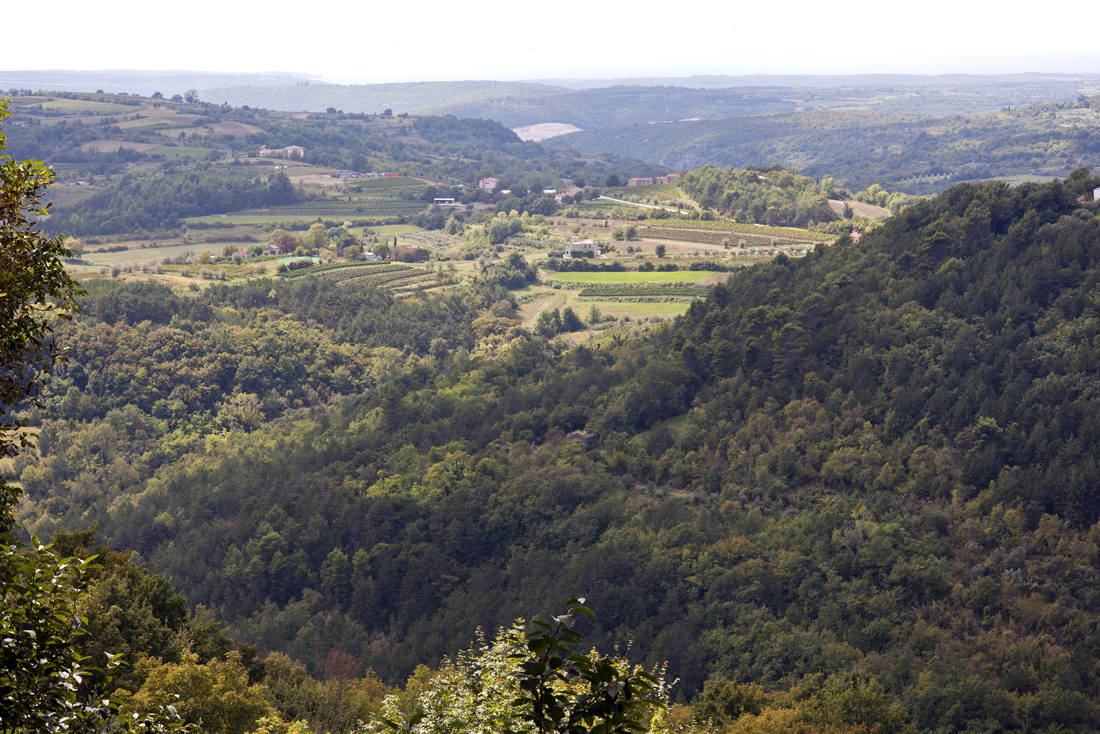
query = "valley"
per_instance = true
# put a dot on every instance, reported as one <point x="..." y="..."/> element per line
<point x="354" y="394"/>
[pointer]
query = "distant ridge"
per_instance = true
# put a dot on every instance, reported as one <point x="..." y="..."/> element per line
<point x="374" y="98"/>
<point x="725" y="81"/>
<point x="144" y="82"/>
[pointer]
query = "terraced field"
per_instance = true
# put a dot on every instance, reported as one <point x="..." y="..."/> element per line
<point x="377" y="274"/>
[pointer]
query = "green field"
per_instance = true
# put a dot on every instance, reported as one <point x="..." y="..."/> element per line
<point x="171" y="150"/>
<point x="354" y="209"/>
<point x="81" y="105"/>
<point x="634" y="310"/>
<point x="152" y="253"/>
<point x="679" y="276"/>
<point x="603" y="205"/>
<point x="392" y="229"/>
<point x="385" y="183"/>
<point x="254" y="218"/>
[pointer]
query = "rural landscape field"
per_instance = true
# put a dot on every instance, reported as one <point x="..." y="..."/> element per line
<point x="683" y="405"/>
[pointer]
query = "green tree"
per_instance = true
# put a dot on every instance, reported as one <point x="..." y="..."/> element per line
<point x="336" y="575"/>
<point x="316" y="238"/>
<point x="217" y="696"/>
<point x="659" y="250"/>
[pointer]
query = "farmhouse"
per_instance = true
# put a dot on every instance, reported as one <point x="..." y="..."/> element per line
<point x="488" y="184"/>
<point x="670" y="178"/>
<point x="640" y="182"/>
<point x="587" y="245"/>
<point x="565" y="191"/>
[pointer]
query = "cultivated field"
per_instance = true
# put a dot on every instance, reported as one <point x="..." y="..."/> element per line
<point x="679" y="276"/>
<point x="108" y="146"/>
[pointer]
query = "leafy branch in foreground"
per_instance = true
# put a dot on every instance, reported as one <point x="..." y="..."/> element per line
<point x="564" y="691"/>
<point x="528" y="682"/>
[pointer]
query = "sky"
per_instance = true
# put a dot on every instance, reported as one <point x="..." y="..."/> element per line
<point x="429" y="40"/>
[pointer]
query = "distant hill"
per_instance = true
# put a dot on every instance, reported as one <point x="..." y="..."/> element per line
<point x="375" y="98"/>
<point x="593" y="104"/>
<point x="145" y="83"/>
<point x="915" y="154"/>
<point x="725" y="81"/>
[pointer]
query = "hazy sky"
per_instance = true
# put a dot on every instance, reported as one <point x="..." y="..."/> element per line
<point x="393" y="41"/>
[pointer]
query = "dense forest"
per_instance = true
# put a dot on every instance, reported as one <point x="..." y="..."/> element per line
<point x="155" y="203"/>
<point x="865" y="475"/>
<point x="772" y="196"/>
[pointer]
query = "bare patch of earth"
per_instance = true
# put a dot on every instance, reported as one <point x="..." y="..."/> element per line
<point x="859" y="209"/>
<point x="545" y="130"/>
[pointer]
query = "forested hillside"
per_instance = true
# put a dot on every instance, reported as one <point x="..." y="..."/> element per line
<point x="874" y="463"/>
<point x="594" y="103"/>
<point x="915" y="154"/>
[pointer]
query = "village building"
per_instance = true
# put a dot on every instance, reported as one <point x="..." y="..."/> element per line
<point x="670" y="178"/>
<point x="586" y="245"/>
<point x="640" y="182"/>
<point x="565" y="191"/>
<point x="488" y="184"/>
<point x="444" y="201"/>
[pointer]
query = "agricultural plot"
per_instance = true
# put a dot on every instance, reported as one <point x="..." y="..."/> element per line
<point x="392" y="229"/>
<point x="139" y="254"/>
<point x="397" y="182"/>
<point x="236" y="129"/>
<point x="625" y="331"/>
<point x="641" y="293"/>
<point x="433" y="239"/>
<point x="153" y="123"/>
<point x="718" y="237"/>
<point x="363" y="198"/>
<point x="381" y="275"/>
<point x="173" y="151"/>
<point x="583" y="280"/>
<point x="730" y="228"/>
<point x="329" y="209"/>
<point x="109" y="146"/>
<point x="78" y="105"/>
